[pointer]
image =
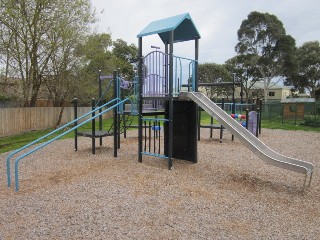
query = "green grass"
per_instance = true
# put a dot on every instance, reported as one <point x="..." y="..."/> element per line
<point x="16" y="141"/>
<point x="19" y="140"/>
<point x="287" y="125"/>
<point x="275" y="123"/>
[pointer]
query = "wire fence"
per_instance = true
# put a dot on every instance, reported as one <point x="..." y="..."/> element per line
<point x="292" y="112"/>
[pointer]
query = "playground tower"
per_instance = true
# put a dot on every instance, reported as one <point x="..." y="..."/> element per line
<point x="161" y="75"/>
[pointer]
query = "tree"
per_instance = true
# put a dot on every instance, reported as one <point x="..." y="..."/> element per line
<point x="95" y="55"/>
<point x="262" y="39"/>
<point x="125" y="56"/>
<point x="34" y="30"/>
<point x="214" y="73"/>
<point x="309" y="67"/>
<point x="245" y="72"/>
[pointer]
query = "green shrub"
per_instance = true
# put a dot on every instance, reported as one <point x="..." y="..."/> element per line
<point x="311" y="121"/>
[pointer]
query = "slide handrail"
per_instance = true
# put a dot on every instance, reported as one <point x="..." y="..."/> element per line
<point x="55" y="138"/>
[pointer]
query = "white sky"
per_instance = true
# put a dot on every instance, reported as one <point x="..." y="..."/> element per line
<point x="217" y="21"/>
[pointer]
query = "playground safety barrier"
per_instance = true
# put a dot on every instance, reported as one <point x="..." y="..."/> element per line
<point x="152" y="137"/>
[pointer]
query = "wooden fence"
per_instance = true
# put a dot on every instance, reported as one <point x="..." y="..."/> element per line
<point x="17" y="120"/>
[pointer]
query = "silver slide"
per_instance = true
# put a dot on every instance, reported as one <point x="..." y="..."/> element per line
<point x="248" y="139"/>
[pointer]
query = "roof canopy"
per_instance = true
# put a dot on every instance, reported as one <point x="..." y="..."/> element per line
<point x="298" y="100"/>
<point x="182" y="25"/>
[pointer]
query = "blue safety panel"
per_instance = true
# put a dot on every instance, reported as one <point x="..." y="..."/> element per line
<point x="182" y="25"/>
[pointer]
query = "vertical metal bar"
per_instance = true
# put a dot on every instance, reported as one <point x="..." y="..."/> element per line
<point x="119" y="126"/>
<point x="196" y="57"/>
<point x="166" y="69"/>
<point x="140" y="79"/>
<point x="211" y="123"/>
<point x="154" y="137"/>
<point x="75" y="109"/>
<point x="159" y="134"/>
<point x="100" y="104"/>
<point x="93" y="127"/>
<point x="233" y="111"/>
<point x="199" y="122"/>
<point x="260" y="114"/>
<point x="125" y="119"/>
<point x="170" y="147"/>
<point x="115" y="118"/>
<point x="149" y="140"/>
<point x="145" y="135"/>
<point x="221" y="127"/>
<point x="257" y="126"/>
<point x="247" y="118"/>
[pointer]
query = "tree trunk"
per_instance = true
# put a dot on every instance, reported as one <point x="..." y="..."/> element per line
<point x="60" y="117"/>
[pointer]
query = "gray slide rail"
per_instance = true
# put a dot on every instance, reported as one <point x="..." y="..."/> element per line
<point x="248" y="139"/>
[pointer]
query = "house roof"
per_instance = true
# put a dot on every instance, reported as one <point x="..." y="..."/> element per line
<point x="182" y="25"/>
<point x="298" y="100"/>
<point x="272" y="85"/>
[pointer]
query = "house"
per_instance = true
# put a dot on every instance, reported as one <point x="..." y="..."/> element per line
<point x="295" y="108"/>
<point x="276" y="92"/>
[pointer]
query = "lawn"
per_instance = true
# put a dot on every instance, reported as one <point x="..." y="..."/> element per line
<point x="16" y="141"/>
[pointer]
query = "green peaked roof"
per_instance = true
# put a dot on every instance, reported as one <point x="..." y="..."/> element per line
<point x="182" y="25"/>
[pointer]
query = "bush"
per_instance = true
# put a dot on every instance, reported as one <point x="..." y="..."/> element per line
<point x="311" y="121"/>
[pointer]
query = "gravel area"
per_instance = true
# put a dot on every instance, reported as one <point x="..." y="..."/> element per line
<point x="229" y="194"/>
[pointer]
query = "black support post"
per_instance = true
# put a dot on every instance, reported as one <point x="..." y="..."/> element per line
<point x="247" y="118"/>
<point x="93" y="127"/>
<point x="140" y="75"/>
<point x="260" y="114"/>
<point x="221" y="127"/>
<point x="171" y="37"/>
<point x="75" y="109"/>
<point x="196" y="58"/>
<point x="115" y="118"/>
<point x="199" y="123"/>
<point x="99" y="104"/>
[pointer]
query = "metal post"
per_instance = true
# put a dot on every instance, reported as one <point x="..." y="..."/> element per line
<point x="247" y="118"/>
<point x="140" y="76"/>
<point x="241" y="91"/>
<point x="75" y="108"/>
<point x="166" y="67"/>
<point x="221" y="127"/>
<point x="99" y="104"/>
<point x="211" y="123"/>
<point x="233" y="103"/>
<point x="260" y="114"/>
<point x="199" y="122"/>
<point x="196" y="63"/>
<point x="115" y="118"/>
<point x="257" y="127"/>
<point x="171" y="37"/>
<point x="93" y="127"/>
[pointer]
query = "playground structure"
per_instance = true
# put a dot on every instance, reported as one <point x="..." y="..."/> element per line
<point x="167" y="116"/>
<point x="251" y="120"/>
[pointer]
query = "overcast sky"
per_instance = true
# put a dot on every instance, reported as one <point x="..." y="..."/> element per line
<point x="217" y="21"/>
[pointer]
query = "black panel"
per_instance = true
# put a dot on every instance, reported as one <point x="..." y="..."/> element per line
<point x="184" y="130"/>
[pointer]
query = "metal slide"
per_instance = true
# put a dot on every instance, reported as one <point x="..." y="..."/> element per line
<point x="248" y="139"/>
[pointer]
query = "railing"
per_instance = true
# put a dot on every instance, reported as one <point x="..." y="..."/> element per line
<point x="156" y="74"/>
<point x="16" y="172"/>
<point x="153" y="140"/>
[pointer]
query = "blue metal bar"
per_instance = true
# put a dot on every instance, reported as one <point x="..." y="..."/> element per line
<point x="45" y="136"/>
<point x="16" y="162"/>
<point x="156" y="119"/>
<point x="185" y="58"/>
<point x="154" y="155"/>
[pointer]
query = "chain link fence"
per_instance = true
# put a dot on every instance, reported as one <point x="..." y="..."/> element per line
<point x="275" y="111"/>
